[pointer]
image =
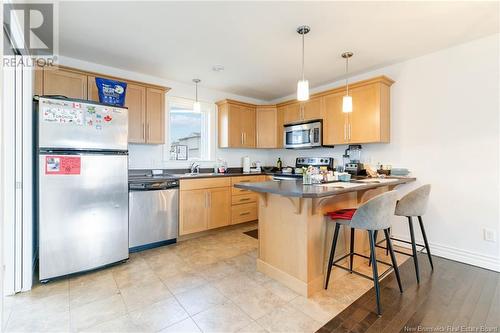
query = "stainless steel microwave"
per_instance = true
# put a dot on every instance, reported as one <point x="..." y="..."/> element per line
<point x="304" y="135"/>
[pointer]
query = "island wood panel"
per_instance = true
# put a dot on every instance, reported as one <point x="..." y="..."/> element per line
<point x="294" y="247"/>
<point x="266" y="122"/>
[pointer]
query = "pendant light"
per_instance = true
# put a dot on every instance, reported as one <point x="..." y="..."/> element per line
<point x="303" y="84"/>
<point x="347" y="100"/>
<point x="196" y="105"/>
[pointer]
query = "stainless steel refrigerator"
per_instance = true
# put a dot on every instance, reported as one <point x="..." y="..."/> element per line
<point x="82" y="185"/>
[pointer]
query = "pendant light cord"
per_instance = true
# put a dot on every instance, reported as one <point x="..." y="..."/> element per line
<point x="196" y="91"/>
<point x="303" y="52"/>
<point x="347" y="75"/>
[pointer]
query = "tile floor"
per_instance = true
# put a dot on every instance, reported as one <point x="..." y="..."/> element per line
<point x="208" y="284"/>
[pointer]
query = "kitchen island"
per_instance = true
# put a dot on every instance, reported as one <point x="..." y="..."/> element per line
<point x="294" y="236"/>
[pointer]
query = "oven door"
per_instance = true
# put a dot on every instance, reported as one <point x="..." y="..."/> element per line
<point x="302" y="135"/>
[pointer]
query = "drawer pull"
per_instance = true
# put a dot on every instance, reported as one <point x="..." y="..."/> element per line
<point x="245" y="213"/>
<point x="245" y="199"/>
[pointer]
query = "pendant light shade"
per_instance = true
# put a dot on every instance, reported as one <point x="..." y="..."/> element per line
<point x="303" y="90"/>
<point x="347" y="100"/>
<point x="196" y="104"/>
<point x="303" y="85"/>
<point x="347" y="104"/>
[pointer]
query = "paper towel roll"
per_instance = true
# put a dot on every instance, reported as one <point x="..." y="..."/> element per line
<point x="246" y="164"/>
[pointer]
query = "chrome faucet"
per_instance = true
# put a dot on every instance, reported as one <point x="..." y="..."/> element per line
<point x="195" y="168"/>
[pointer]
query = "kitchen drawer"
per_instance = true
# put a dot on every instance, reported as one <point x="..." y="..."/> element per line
<point x="202" y="183"/>
<point x="244" y="213"/>
<point x="247" y="197"/>
<point x="245" y="179"/>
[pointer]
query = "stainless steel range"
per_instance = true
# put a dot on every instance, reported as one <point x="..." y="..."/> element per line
<point x="300" y="162"/>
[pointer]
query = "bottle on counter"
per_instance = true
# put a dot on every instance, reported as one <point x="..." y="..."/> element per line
<point x="279" y="164"/>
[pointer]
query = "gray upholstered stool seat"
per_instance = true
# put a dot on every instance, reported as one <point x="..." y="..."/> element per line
<point x="415" y="204"/>
<point x="373" y="215"/>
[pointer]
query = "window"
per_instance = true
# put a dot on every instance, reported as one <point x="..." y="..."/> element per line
<point x="189" y="134"/>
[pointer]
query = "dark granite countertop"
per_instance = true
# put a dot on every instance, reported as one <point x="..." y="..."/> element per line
<point x="295" y="188"/>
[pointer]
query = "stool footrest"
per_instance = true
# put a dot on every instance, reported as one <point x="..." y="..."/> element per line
<point x="387" y="271"/>
<point x="397" y="251"/>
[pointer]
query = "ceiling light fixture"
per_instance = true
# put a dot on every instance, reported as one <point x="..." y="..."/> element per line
<point x="347" y="100"/>
<point x="217" y="68"/>
<point x="303" y="84"/>
<point x="196" y="105"/>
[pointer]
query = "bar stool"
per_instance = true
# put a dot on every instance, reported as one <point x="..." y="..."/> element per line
<point x="414" y="204"/>
<point x="373" y="215"/>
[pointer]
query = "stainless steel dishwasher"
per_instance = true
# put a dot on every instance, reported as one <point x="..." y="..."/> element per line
<point x="153" y="212"/>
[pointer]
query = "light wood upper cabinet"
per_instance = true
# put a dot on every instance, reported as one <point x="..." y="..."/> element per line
<point x="155" y="115"/>
<point x="135" y="101"/>
<point x="236" y="125"/>
<point x="248" y="128"/>
<point x="369" y="120"/>
<point x="334" y="121"/>
<point x="293" y="113"/>
<point x="219" y="206"/>
<point x="303" y="111"/>
<point x="311" y="109"/>
<point x="266" y="119"/>
<point x="58" y="81"/>
<point x="280" y="121"/>
<point x="145" y="102"/>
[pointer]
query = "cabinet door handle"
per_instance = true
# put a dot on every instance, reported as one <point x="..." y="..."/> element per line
<point x="349" y="131"/>
<point x="206" y="199"/>
<point x="241" y="137"/>
<point x="144" y="131"/>
<point x="345" y="132"/>
<point x="209" y="199"/>
<point x="149" y="131"/>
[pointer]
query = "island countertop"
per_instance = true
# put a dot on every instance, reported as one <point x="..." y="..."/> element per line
<point x="295" y="188"/>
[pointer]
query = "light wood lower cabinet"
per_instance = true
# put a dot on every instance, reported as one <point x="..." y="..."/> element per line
<point x="209" y="203"/>
<point x="204" y="204"/>
<point x="193" y="212"/>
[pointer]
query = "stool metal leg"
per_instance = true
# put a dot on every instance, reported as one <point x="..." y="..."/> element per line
<point x="425" y="241"/>
<point x="387" y="242"/>
<point x="375" y="233"/>
<point x="351" y="249"/>
<point x="414" y="248"/>
<point x="332" y="253"/>
<point x="374" y="269"/>
<point x="393" y="259"/>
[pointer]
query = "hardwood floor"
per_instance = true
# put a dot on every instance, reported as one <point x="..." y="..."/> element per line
<point x="454" y="298"/>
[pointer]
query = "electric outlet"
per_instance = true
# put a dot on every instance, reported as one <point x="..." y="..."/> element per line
<point x="489" y="235"/>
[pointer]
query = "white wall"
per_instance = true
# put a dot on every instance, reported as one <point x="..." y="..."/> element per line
<point x="445" y="129"/>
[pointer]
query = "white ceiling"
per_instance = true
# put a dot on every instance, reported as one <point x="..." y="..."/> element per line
<point x="257" y="42"/>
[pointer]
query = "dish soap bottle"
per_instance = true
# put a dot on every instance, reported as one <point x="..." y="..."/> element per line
<point x="279" y="164"/>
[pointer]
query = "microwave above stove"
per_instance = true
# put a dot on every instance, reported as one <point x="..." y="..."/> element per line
<point x="303" y="135"/>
